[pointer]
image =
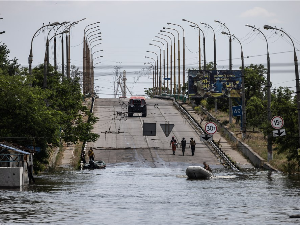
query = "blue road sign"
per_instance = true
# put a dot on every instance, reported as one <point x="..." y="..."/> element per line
<point x="237" y="110"/>
<point x="167" y="78"/>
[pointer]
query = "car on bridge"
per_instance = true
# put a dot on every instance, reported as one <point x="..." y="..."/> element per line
<point x="137" y="104"/>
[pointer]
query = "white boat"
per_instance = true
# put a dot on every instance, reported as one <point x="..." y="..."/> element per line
<point x="198" y="172"/>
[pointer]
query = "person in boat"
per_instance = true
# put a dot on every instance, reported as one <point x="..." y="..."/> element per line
<point x="91" y="154"/>
<point x="183" y="144"/>
<point x="206" y="166"/>
<point x="173" y="143"/>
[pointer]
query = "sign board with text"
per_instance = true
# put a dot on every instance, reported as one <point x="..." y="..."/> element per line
<point x="277" y="122"/>
<point x="211" y="128"/>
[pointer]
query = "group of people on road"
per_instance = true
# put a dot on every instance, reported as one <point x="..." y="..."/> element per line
<point x="174" y="144"/>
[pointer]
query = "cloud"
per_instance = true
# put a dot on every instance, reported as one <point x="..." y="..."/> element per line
<point x="257" y="12"/>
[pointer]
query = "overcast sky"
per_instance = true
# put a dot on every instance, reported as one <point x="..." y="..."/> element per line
<point x="128" y="27"/>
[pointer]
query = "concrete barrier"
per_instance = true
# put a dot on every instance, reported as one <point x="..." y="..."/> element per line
<point x="11" y="177"/>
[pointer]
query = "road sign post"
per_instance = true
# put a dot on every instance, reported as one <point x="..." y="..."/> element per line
<point x="277" y="122"/>
<point x="211" y="128"/>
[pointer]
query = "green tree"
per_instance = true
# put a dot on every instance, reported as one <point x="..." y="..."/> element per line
<point x="284" y="105"/>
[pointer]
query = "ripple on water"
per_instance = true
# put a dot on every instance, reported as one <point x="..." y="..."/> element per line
<point x="153" y="196"/>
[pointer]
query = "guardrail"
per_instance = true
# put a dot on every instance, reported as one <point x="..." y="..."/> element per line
<point x="212" y="146"/>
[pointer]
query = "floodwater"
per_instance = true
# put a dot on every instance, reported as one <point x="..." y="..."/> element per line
<point x="126" y="195"/>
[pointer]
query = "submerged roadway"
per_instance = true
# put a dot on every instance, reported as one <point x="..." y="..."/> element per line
<point x="122" y="142"/>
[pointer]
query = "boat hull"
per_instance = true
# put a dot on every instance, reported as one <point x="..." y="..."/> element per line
<point x="198" y="172"/>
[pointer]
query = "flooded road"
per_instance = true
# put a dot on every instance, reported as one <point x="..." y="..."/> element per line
<point x="124" y="195"/>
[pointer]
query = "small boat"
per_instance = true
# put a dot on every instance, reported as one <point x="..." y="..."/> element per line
<point x="95" y="165"/>
<point x="198" y="172"/>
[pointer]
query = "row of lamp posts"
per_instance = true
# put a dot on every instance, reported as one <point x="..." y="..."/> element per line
<point x="157" y="70"/>
<point x="66" y="30"/>
<point x="91" y="37"/>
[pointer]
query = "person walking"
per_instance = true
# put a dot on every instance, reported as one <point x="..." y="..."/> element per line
<point x="192" y="145"/>
<point x="173" y="143"/>
<point x="183" y="145"/>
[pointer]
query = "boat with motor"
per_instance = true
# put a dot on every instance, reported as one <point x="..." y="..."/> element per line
<point x="198" y="172"/>
<point x="95" y="165"/>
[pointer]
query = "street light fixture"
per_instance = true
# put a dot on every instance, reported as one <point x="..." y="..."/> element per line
<point x="179" y="88"/>
<point x="267" y="27"/>
<point x="159" y="66"/>
<point x="156" y="71"/>
<point x="215" y="50"/>
<point x="230" y="66"/>
<point x="174" y="79"/>
<point x="164" y="59"/>
<point x="183" y="54"/>
<point x="170" y="63"/>
<point x="243" y="87"/>
<point x="30" y="58"/>
<point x="269" y="146"/>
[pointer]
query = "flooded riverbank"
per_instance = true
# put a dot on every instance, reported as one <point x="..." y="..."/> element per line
<point x="125" y="195"/>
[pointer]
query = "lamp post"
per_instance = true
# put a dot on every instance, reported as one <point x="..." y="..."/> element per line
<point x="2" y="32"/>
<point x="269" y="116"/>
<point x="159" y="66"/>
<point x="243" y="88"/>
<point x="178" y="90"/>
<point x="85" y="50"/>
<point x="230" y="66"/>
<point x="68" y="40"/>
<point x="156" y="75"/>
<point x="55" y="62"/>
<point x="30" y="58"/>
<point x="167" y="63"/>
<point x="174" y="79"/>
<point x="154" y="69"/>
<point x="170" y="63"/>
<point x="267" y="27"/>
<point x="164" y="63"/>
<point x="215" y="47"/>
<point x="199" y="42"/>
<point x="215" y="58"/>
<point x="183" y="53"/>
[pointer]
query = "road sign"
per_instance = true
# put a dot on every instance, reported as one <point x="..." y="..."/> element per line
<point x="277" y="122"/>
<point x="167" y="128"/>
<point x="149" y="129"/>
<point x="211" y="128"/>
<point x="206" y="137"/>
<point x="167" y="78"/>
<point x="278" y="133"/>
<point x="237" y="110"/>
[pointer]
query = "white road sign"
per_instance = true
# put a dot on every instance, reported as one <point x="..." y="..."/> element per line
<point x="279" y="133"/>
<point x="211" y="128"/>
<point x="277" y="122"/>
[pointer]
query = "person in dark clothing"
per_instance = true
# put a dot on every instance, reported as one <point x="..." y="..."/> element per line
<point x="192" y="145"/>
<point x="183" y="145"/>
<point x="173" y="143"/>
<point x="30" y="173"/>
<point x="91" y="154"/>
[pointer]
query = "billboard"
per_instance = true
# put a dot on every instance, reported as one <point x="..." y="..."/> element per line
<point x="215" y="83"/>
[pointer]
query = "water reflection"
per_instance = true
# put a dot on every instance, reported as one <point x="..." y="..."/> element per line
<point x="127" y="195"/>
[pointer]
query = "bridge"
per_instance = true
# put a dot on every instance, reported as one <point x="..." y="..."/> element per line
<point x="122" y="142"/>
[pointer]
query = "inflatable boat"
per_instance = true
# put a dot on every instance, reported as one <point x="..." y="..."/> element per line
<point x="198" y="172"/>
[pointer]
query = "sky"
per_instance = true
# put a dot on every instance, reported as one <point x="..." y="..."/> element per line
<point x="127" y="28"/>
